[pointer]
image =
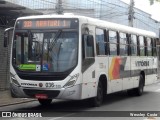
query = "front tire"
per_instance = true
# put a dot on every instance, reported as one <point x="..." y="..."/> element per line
<point x="45" y="102"/>
<point x="97" y="101"/>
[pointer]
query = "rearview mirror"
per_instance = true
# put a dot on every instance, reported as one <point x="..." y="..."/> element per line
<point x="6" y="39"/>
<point x="7" y="36"/>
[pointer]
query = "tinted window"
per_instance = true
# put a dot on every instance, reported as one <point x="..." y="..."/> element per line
<point x="133" y="45"/>
<point x="113" y="42"/>
<point x="149" y="46"/>
<point x="154" y="47"/>
<point x="100" y="42"/>
<point x="123" y="44"/>
<point x="141" y="42"/>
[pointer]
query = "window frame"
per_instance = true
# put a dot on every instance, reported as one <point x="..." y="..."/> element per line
<point x="151" y="46"/>
<point x="126" y="44"/>
<point x="109" y="50"/>
<point x="141" y="45"/>
<point x="131" y="44"/>
<point x="105" y="43"/>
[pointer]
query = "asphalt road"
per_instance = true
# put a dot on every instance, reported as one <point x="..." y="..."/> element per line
<point x="117" y="104"/>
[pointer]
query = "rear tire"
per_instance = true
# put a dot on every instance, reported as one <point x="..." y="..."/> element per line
<point x="45" y="102"/>
<point x="97" y="101"/>
<point x="139" y="90"/>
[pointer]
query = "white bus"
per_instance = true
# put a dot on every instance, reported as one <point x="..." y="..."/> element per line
<point x="76" y="57"/>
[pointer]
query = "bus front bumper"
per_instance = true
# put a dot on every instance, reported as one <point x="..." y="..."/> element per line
<point x="73" y="93"/>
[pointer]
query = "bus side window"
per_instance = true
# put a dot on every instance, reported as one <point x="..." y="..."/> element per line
<point x="154" y="47"/>
<point x="113" y="42"/>
<point x="123" y="44"/>
<point x="134" y="45"/>
<point x="88" y="46"/>
<point x="149" y="46"/>
<point x="141" y="45"/>
<point x="100" y="42"/>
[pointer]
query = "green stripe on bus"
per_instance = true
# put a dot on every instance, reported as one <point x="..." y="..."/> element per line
<point x="27" y="67"/>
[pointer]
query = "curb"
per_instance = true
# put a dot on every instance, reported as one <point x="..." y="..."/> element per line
<point x="20" y="102"/>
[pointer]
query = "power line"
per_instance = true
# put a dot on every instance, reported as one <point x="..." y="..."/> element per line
<point x="114" y="4"/>
<point x="63" y="4"/>
<point x="115" y="13"/>
<point x="107" y="5"/>
<point x="146" y="23"/>
<point x="86" y="12"/>
<point x="140" y="14"/>
<point x="80" y="8"/>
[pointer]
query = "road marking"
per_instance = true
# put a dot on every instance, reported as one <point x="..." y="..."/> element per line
<point x="62" y="116"/>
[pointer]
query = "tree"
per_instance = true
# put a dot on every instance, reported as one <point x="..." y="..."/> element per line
<point x="152" y="1"/>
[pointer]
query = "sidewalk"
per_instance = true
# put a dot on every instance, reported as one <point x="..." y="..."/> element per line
<point x="6" y="99"/>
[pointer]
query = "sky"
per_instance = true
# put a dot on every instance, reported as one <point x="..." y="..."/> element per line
<point x="144" y="5"/>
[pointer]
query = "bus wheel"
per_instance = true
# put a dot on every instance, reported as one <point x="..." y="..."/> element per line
<point x="97" y="101"/>
<point x="45" y="101"/>
<point x="139" y="90"/>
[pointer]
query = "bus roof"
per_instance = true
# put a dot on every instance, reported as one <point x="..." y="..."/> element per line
<point x="98" y="23"/>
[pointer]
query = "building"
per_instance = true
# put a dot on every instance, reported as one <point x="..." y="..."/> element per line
<point x="8" y="14"/>
<point x="110" y="10"/>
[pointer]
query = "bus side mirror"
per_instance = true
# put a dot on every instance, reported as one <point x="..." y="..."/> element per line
<point x="6" y="40"/>
<point x="7" y="36"/>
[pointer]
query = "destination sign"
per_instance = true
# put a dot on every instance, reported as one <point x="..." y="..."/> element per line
<point x="46" y="23"/>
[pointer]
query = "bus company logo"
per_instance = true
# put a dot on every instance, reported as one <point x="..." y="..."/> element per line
<point x="28" y="84"/>
<point x="40" y="85"/>
<point x="142" y="63"/>
<point x="6" y="114"/>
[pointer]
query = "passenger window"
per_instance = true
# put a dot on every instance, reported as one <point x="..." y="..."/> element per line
<point x="123" y="44"/>
<point x="149" y="46"/>
<point x="133" y="45"/>
<point x="141" y="45"/>
<point x="154" y="47"/>
<point x="100" y="42"/>
<point x="88" y="46"/>
<point x="113" y="42"/>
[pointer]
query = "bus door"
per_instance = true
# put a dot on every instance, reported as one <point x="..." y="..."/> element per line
<point x="88" y="62"/>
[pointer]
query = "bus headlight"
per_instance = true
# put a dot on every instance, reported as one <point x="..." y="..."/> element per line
<point x="72" y="80"/>
<point x="13" y="80"/>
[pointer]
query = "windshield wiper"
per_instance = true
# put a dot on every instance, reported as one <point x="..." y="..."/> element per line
<point x="55" y="39"/>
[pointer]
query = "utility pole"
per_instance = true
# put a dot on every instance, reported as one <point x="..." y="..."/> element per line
<point x="59" y="8"/>
<point x="131" y="13"/>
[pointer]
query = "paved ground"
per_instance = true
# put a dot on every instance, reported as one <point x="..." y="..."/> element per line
<point x="6" y="99"/>
<point x="149" y="101"/>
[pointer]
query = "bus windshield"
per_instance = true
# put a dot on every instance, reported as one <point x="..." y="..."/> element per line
<point x="38" y="51"/>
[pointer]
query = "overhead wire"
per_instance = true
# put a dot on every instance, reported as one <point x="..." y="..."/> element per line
<point x="146" y="23"/>
<point x="116" y="14"/>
